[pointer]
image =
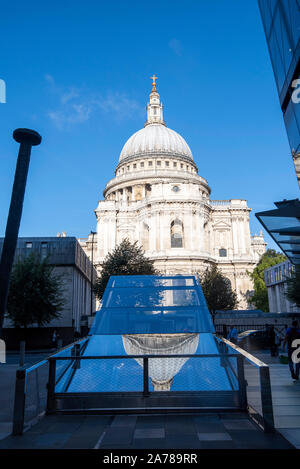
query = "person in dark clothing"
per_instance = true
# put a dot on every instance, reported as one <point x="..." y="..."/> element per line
<point x="291" y="337"/>
<point x="54" y="339"/>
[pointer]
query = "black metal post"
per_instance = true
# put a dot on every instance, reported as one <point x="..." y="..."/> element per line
<point x="146" y="376"/>
<point x="266" y="399"/>
<point x="51" y="387"/>
<point x="76" y="351"/>
<point x="19" y="404"/>
<point x="27" y="138"/>
<point x="242" y="382"/>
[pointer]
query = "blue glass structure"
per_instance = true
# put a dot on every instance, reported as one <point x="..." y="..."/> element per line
<point x="153" y="305"/>
<point x="149" y="316"/>
<point x="281" y="21"/>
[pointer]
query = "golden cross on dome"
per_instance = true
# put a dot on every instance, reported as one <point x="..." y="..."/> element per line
<point x="153" y="82"/>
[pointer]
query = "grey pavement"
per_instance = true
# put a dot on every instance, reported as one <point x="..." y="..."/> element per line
<point x="285" y="396"/>
<point x="158" y="431"/>
<point x="203" y="431"/>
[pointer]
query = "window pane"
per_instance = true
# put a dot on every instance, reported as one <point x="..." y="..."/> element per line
<point x="292" y="12"/>
<point x="277" y="61"/>
<point x="292" y="126"/>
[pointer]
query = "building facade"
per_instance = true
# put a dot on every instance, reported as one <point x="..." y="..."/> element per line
<point x="275" y="280"/>
<point x="158" y="198"/>
<point x="281" y="20"/>
<point x="75" y="269"/>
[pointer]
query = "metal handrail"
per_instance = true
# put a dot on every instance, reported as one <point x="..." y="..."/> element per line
<point x="20" y="388"/>
<point x="266" y="421"/>
<point x="246" y="354"/>
<point x="69" y="346"/>
<point x="104" y="357"/>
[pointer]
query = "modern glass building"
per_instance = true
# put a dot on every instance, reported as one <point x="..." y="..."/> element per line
<point x="281" y="21"/>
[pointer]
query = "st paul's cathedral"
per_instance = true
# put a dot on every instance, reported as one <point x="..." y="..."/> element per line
<point x="158" y="198"/>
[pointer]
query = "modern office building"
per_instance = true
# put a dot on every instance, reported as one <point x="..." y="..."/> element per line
<point x="275" y="280"/>
<point x="75" y="269"/>
<point x="281" y="21"/>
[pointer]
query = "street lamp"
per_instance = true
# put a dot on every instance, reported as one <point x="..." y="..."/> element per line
<point x="27" y="138"/>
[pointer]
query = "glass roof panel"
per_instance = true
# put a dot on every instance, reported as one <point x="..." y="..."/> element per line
<point x="141" y="281"/>
<point x="275" y="223"/>
<point x="283" y="224"/>
<point x="289" y="247"/>
<point x="145" y="304"/>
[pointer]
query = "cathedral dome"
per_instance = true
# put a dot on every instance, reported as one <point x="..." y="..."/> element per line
<point x="155" y="140"/>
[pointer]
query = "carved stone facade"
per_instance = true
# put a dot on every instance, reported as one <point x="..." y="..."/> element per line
<point x="158" y="199"/>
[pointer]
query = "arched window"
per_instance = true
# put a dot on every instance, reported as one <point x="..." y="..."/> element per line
<point x="148" y="190"/>
<point x="129" y="194"/>
<point x="176" y="234"/>
<point x="223" y="252"/>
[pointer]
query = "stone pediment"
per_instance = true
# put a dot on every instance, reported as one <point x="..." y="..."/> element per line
<point x="221" y="225"/>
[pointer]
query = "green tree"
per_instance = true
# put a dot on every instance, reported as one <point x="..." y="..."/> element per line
<point x="35" y="293"/>
<point x="293" y="287"/>
<point x="260" y="296"/>
<point x="217" y="290"/>
<point x="126" y="259"/>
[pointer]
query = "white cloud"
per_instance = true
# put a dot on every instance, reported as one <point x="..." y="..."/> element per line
<point x="68" y="95"/>
<point x="120" y="105"/>
<point x="75" y="114"/>
<point x="176" y="46"/>
<point x="49" y="78"/>
<point x="76" y="105"/>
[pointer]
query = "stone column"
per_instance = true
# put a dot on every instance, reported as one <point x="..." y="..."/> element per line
<point x="277" y="298"/>
<point x="235" y="237"/>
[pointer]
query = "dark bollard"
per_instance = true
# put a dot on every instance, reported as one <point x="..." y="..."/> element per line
<point x="19" y="404"/>
<point x="27" y="138"/>
<point x="22" y="353"/>
<point x="76" y="353"/>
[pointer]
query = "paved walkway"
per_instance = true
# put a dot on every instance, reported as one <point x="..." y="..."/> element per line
<point x="166" y="431"/>
<point x="285" y="396"/>
<point x="224" y="431"/>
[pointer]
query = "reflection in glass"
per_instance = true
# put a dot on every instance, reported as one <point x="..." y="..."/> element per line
<point x="161" y="370"/>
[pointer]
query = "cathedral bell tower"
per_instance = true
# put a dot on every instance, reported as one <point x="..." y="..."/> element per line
<point x="154" y="107"/>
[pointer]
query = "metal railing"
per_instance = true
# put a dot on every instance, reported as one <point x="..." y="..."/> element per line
<point x="260" y="407"/>
<point x="31" y="391"/>
<point x="223" y="329"/>
<point x="30" y="395"/>
<point x="96" y="391"/>
<point x="238" y="364"/>
<point x="220" y="328"/>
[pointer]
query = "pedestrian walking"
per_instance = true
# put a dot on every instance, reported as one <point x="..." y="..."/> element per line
<point x="54" y="339"/>
<point x="291" y="336"/>
<point x="233" y="335"/>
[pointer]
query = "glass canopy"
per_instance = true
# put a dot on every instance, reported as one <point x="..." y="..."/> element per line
<point x="150" y="316"/>
<point x="149" y="304"/>
<point x="283" y="224"/>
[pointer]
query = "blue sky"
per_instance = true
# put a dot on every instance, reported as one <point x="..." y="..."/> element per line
<point x="78" y="73"/>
